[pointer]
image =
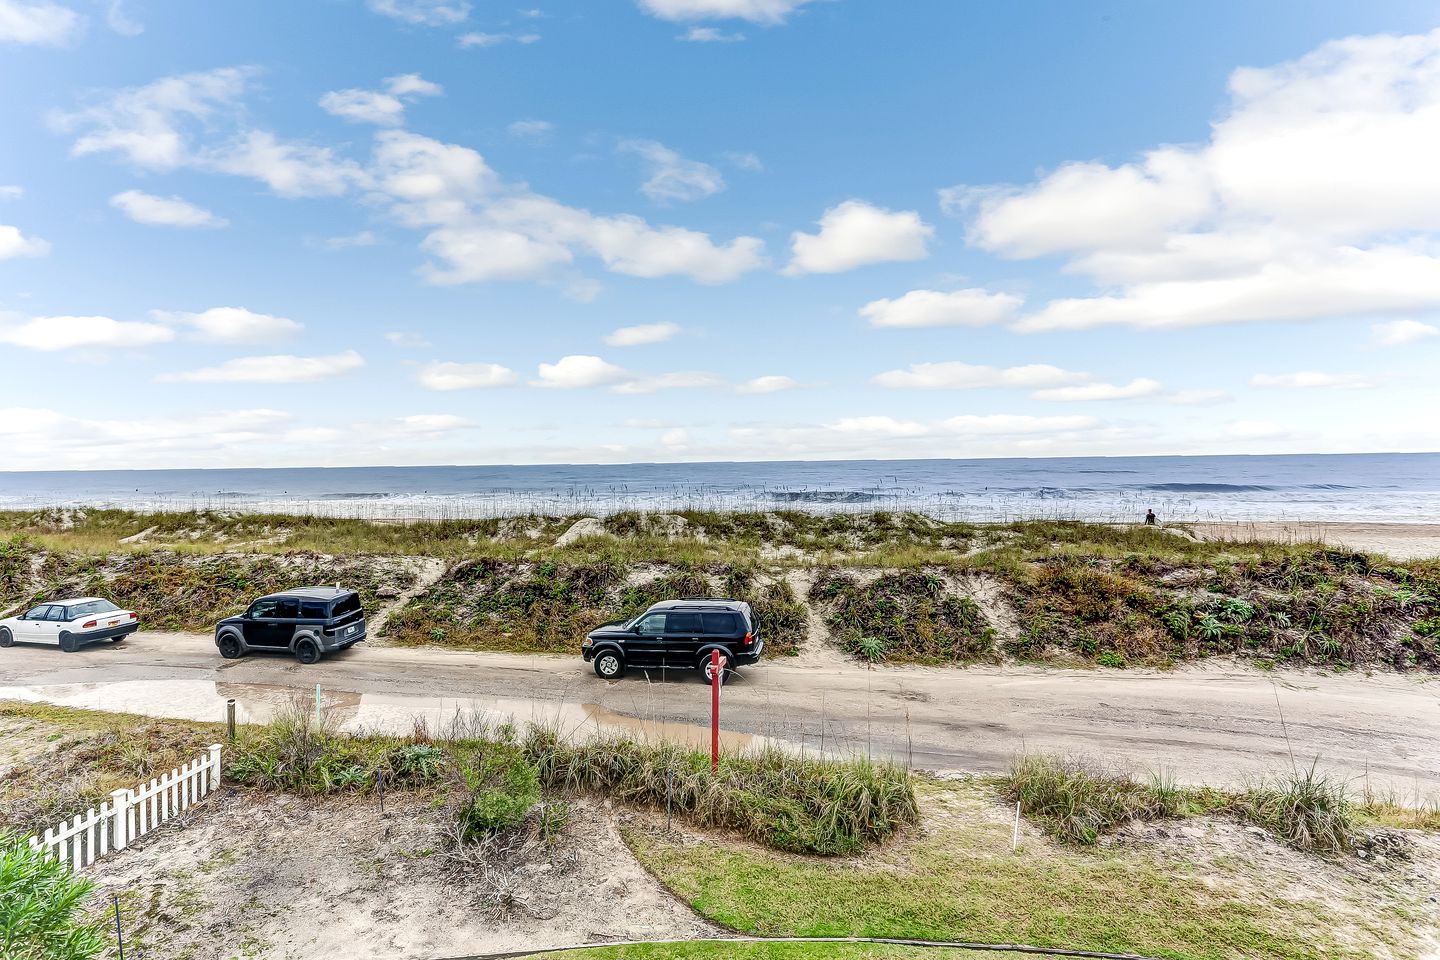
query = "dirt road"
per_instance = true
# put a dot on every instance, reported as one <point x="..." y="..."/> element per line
<point x="1217" y="724"/>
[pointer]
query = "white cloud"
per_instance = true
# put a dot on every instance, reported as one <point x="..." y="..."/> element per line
<point x="362" y="239"/>
<point x="11" y="192"/>
<point x="64" y="440"/>
<point x="880" y="435"/>
<point x="290" y="169"/>
<point x="581" y="371"/>
<point x="484" y="40"/>
<point x="42" y="23"/>
<point x="423" y="425"/>
<point x="151" y="210"/>
<point x="383" y="108"/>
<point x="1398" y="333"/>
<point x="1311" y="379"/>
<point x="423" y="13"/>
<point x="710" y="35"/>
<point x="1313" y="197"/>
<point x="641" y="334"/>
<point x="933" y="308"/>
<point x="675" y="437"/>
<point x="407" y="339"/>
<point x="1197" y="398"/>
<point x="1255" y="429"/>
<point x="755" y="11"/>
<point x="1141" y="387"/>
<point x="745" y="160"/>
<point x="856" y="233"/>
<point x="683" y="380"/>
<point x="768" y="384"/>
<point x="233" y="325"/>
<point x="465" y="376"/>
<point x="531" y="129"/>
<point x="954" y="375"/>
<point x="673" y="177"/>
<point x="117" y="20"/>
<point x="13" y="243"/>
<point x="153" y="126"/>
<point x="273" y="369"/>
<point x="146" y="124"/>
<point x="70" y="333"/>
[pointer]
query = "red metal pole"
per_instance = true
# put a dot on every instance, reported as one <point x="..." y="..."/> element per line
<point x="716" y="672"/>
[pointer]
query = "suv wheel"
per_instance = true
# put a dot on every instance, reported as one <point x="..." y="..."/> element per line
<point x="307" y="651"/>
<point x="6" y="637"/>
<point x="707" y="669"/>
<point x="230" y="647"/>
<point x="609" y="665"/>
<point x="68" y="644"/>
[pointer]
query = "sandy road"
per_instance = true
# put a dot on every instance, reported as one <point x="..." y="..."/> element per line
<point x="1217" y="724"/>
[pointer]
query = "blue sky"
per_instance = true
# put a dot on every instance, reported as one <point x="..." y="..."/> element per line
<point x="430" y="231"/>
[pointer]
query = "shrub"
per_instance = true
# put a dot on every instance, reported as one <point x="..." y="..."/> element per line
<point x="792" y="803"/>
<point x="1308" y="811"/>
<point x="904" y="617"/>
<point x="42" y="907"/>
<point x="299" y="753"/>
<point x="1076" y="802"/>
<point x="500" y="785"/>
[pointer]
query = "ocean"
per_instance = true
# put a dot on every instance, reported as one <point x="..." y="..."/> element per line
<point x="1334" y="487"/>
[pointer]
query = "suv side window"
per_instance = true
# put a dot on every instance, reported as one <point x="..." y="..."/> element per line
<point x="262" y="609"/>
<point x="287" y="609"/>
<point x="688" y="623"/>
<point x="651" y="626"/>
<point x="720" y="624"/>
<point x="312" y="610"/>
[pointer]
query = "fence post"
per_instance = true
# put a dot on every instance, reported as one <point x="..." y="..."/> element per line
<point x="213" y="779"/>
<point x="120" y="819"/>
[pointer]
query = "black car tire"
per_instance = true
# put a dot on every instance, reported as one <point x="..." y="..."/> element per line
<point x="609" y="665"/>
<point x="230" y="647"/>
<point x="307" y="651"/>
<point x="703" y="668"/>
<point x="68" y="644"/>
<point x="6" y="637"/>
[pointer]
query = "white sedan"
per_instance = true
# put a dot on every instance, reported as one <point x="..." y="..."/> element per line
<point x="69" y="623"/>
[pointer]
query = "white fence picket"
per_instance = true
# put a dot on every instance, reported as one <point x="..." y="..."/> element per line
<point x="130" y="814"/>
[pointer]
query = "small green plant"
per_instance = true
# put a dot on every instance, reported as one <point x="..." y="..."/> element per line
<point x="500" y="787"/>
<point x="1077" y="802"/>
<point x="1110" y="659"/>
<point x="42" y="907"/>
<point x="417" y="762"/>
<point x="1308" y="811"/>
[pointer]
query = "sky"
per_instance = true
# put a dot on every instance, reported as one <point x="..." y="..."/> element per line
<point x="348" y="232"/>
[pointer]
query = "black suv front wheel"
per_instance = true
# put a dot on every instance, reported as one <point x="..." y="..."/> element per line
<point x="609" y="665"/>
<point x="230" y="647"/>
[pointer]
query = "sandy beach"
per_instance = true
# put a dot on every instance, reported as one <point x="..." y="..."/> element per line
<point x="1403" y="541"/>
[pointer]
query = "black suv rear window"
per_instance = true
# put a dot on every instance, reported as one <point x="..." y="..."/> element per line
<point x="349" y="603"/>
<point x="720" y="624"/>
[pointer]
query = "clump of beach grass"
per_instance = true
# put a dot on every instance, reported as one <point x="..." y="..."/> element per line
<point x="1077" y="801"/>
<point x="1308" y="810"/>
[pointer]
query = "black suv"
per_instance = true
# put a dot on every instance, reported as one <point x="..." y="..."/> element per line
<point x="308" y="622"/>
<point x="676" y="634"/>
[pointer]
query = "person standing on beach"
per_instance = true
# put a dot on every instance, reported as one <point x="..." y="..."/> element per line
<point x="1149" y="518"/>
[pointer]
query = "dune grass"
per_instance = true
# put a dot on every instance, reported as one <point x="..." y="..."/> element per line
<point x="959" y="880"/>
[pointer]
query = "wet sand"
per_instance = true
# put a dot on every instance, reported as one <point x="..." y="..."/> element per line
<point x="1403" y="541"/>
<point x="1217" y="723"/>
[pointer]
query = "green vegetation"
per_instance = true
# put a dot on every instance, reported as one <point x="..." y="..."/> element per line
<point x="546" y="607"/>
<point x="891" y="587"/>
<point x="42" y="907"/>
<point x="492" y="776"/>
<point x="799" y="804"/>
<point x="903" y="617"/>
<point x="1076" y="802"/>
<point x="712" y="950"/>
<point x="959" y="880"/>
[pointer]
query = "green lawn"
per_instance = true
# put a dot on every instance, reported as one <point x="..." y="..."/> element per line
<point x="776" y="951"/>
<point x="961" y="882"/>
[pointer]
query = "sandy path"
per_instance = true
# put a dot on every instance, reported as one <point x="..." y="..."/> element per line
<point x="1403" y="541"/>
<point x="1217" y="723"/>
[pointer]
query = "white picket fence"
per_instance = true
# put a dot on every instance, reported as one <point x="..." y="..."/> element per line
<point x="130" y="814"/>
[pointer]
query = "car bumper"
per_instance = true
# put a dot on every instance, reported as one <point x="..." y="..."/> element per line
<point x="109" y="633"/>
<point x="751" y="656"/>
<point x="330" y="644"/>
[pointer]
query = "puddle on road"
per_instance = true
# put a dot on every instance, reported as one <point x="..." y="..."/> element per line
<point x="204" y="700"/>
